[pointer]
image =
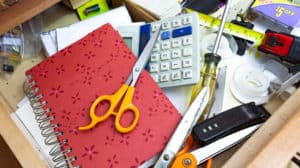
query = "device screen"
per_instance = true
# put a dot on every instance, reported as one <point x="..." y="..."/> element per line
<point x="128" y="41"/>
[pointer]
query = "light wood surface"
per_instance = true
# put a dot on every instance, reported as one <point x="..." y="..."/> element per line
<point x="280" y="149"/>
<point x="19" y="145"/>
<point x="245" y="155"/>
<point x="21" y="12"/>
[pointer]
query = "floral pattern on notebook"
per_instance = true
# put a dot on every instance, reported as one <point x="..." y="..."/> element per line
<point x="96" y="65"/>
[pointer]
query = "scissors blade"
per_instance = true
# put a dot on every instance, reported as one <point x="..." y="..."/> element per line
<point x="143" y="58"/>
<point x="183" y="129"/>
<point x="204" y="153"/>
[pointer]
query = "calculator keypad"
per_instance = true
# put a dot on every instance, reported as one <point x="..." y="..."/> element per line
<point x="175" y="59"/>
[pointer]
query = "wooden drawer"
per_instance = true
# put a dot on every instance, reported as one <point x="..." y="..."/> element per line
<point x="259" y="144"/>
<point x="21" y="12"/>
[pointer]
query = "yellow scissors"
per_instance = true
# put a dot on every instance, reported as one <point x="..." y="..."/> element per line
<point x="126" y="92"/>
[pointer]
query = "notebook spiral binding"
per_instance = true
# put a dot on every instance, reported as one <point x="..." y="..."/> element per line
<point x="43" y="118"/>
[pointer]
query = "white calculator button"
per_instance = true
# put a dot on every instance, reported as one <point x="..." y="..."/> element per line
<point x="187" y="20"/>
<point x="187" y="74"/>
<point x="165" y="45"/>
<point x="164" y="77"/>
<point x="166" y="25"/>
<point x="155" y="77"/>
<point x="187" y="63"/>
<point x="155" y="27"/>
<point x="176" y="23"/>
<point x="187" y="40"/>
<point x="165" y="55"/>
<point x="154" y="57"/>
<point x="176" y="43"/>
<point x="187" y="51"/>
<point x="156" y="47"/>
<point x="165" y="66"/>
<point x="154" y="68"/>
<point x="176" y="64"/>
<point x="176" y="75"/>
<point x="176" y="53"/>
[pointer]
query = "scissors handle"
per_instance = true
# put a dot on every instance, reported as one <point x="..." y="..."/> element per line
<point x="125" y="107"/>
<point x="114" y="100"/>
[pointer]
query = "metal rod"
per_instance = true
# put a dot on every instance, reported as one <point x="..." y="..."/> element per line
<point x="221" y="28"/>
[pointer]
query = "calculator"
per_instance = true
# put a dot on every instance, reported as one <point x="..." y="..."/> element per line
<point x="175" y="58"/>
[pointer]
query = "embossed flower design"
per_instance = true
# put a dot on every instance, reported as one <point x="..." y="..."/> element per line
<point x="125" y="139"/>
<point x="80" y="68"/>
<point x="98" y="43"/>
<point x="147" y="134"/>
<point x="44" y="74"/>
<point x="89" y="55"/>
<point x="66" y="114"/>
<point x="83" y="42"/>
<point x="75" y="98"/>
<point x="73" y="131"/>
<point x="113" y="162"/>
<point x="90" y="152"/>
<point x="66" y="51"/>
<point x="109" y="140"/>
<point x="87" y="80"/>
<point x="168" y="109"/>
<point x="152" y="111"/>
<point x="107" y="76"/>
<point x="60" y="69"/>
<point x="156" y="94"/>
<point x="56" y="91"/>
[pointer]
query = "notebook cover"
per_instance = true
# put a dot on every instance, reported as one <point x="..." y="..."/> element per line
<point x="96" y="65"/>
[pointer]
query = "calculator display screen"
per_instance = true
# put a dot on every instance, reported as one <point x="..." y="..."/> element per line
<point x="128" y="41"/>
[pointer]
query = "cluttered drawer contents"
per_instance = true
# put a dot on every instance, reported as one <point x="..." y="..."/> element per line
<point x="170" y="93"/>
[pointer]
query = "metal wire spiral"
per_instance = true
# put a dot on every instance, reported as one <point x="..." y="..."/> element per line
<point x="43" y="117"/>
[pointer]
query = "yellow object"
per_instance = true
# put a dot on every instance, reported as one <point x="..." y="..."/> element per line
<point x="126" y="92"/>
<point x="92" y="8"/>
<point x="230" y="28"/>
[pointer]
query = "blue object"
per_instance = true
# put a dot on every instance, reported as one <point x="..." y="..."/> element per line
<point x="145" y="33"/>
<point x="182" y="31"/>
<point x="165" y="35"/>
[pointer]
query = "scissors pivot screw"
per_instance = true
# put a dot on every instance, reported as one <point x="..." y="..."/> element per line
<point x="187" y="161"/>
<point x="166" y="157"/>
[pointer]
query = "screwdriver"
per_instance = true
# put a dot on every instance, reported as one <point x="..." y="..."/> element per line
<point x="209" y="69"/>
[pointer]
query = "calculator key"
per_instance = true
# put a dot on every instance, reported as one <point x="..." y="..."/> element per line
<point x="165" y="66"/>
<point x="175" y="75"/>
<point x="176" y="43"/>
<point x="155" y="77"/>
<point x="156" y="47"/>
<point x="187" y="51"/>
<point x="165" y="35"/>
<point x="153" y="68"/>
<point x="155" y="27"/>
<point x="176" y="23"/>
<point x="165" y="55"/>
<point x="176" y="53"/>
<point x="164" y="77"/>
<point x="187" y="63"/>
<point x="187" y="40"/>
<point x="187" y="20"/>
<point x="176" y="64"/>
<point x="182" y="31"/>
<point x="166" y="25"/>
<point x="166" y="45"/>
<point x="154" y="57"/>
<point x="187" y="74"/>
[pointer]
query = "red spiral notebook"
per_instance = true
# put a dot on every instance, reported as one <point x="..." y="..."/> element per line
<point x="70" y="80"/>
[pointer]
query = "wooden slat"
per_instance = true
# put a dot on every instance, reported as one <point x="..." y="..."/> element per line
<point x="19" y="145"/>
<point x="265" y="134"/>
<point x="278" y="152"/>
<point x="21" y="12"/>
